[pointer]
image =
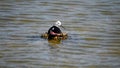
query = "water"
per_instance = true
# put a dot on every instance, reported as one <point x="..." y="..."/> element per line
<point x="93" y="27"/>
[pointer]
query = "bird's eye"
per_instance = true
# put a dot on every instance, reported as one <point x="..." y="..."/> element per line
<point x="52" y="28"/>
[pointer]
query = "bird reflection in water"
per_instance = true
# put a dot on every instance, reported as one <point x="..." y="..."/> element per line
<point x="53" y="43"/>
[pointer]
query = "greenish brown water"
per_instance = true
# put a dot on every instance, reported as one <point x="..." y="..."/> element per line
<point x="93" y="27"/>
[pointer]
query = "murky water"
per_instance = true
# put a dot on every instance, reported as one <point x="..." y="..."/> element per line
<point x="93" y="27"/>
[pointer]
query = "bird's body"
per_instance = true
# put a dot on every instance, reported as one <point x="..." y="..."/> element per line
<point x="54" y="32"/>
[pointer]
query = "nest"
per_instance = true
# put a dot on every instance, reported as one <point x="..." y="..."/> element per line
<point x="63" y="36"/>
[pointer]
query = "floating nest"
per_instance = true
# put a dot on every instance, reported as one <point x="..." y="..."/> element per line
<point x="63" y="36"/>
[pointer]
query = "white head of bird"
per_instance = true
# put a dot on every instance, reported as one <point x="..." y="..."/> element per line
<point x="58" y="23"/>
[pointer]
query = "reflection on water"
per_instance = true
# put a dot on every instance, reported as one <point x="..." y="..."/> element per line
<point x="54" y="43"/>
<point x="92" y="26"/>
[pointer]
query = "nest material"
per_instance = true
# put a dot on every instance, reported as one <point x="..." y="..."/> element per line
<point x="63" y="36"/>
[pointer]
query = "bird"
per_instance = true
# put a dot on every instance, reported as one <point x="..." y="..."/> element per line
<point x="54" y="32"/>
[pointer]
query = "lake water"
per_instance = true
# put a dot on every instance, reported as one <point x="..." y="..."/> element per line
<point x="93" y="28"/>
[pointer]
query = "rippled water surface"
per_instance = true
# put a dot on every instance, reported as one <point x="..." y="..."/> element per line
<point x="93" y="27"/>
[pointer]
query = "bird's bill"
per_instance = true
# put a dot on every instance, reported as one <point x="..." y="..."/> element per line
<point x="62" y="26"/>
